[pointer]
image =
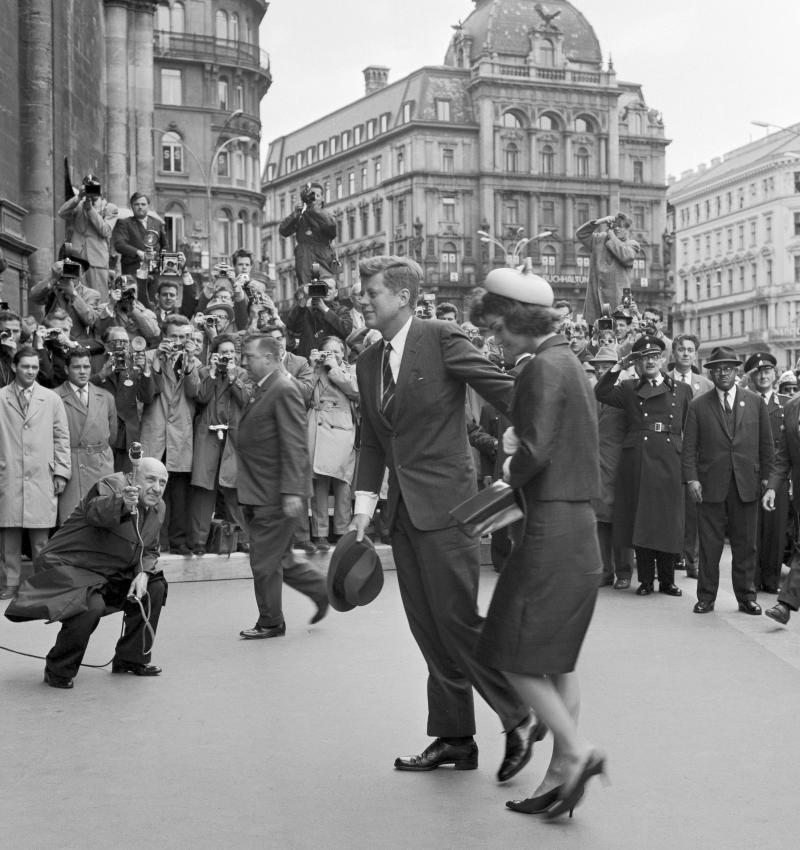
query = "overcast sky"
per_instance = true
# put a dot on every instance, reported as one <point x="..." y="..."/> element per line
<point x="710" y="66"/>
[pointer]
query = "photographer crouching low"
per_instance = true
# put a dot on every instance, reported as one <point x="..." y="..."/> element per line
<point x="102" y="560"/>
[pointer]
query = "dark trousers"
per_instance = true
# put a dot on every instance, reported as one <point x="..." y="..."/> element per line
<point x="617" y="560"/>
<point x="772" y="540"/>
<point x="65" y="658"/>
<point x="202" y="510"/>
<point x="739" y="520"/>
<point x="438" y="573"/>
<point x="790" y="589"/>
<point x="690" y="543"/>
<point x="272" y="563"/>
<point x="648" y="560"/>
<point x="175" y="528"/>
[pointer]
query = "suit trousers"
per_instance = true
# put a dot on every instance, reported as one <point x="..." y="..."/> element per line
<point x="11" y="552"/>
<point x="64" y="659"/>
<point x="772" y="540"/>
<point x="202" y="510"/>
<point x="690" y="544"/>
<point x="739" y="520"/>
<point x="617" y="560"/>
<point x="438" y="573"/>
<point x="175" y="528"/>
<point x="342" y="506"/>
<point x="790" y="589"/>
<point x="272" y="563"/>
<point x="647" y="560"/>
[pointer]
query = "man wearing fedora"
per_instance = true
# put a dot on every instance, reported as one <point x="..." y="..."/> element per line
<point x="728" y="456"/>
<point x="648" y="488"/>
<point x="761" y="369"/>
<point x="412" y="390"/>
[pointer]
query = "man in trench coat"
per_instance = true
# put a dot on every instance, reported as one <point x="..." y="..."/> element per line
<point x="648" y="506"/>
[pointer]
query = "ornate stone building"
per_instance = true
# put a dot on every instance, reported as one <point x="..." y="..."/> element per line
<point x="736" y="226"/>
<point x="522" y="129"/>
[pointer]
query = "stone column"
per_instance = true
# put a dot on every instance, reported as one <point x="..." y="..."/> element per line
<point x="117" y="183"/>
<point x="486" y="154"/>
<point x="569" y="231"/>
<point x="36" y="130"/>
<point x="143" y="93"/>
<point x="613" y="154"/>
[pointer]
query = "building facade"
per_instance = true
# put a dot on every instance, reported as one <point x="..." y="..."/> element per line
<point x="521" y="130"/>
<point x="210" y="75"/>
<point x="736" y="246"/>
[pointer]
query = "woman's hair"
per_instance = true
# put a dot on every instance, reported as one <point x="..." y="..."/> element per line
<point x="519" y="318"/>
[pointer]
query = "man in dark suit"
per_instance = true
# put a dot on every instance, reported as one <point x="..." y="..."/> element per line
<point x="413" y="421"/>
<point x="728" y="456"/>
<point x="129" y="233"/>
<point x="273" y="485"/>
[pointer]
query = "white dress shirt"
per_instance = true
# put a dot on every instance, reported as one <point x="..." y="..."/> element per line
<point x="731" y="393"/>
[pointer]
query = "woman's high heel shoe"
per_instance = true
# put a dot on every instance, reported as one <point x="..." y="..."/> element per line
<point x="535" y="805"/>
<point x="595" y="765"/>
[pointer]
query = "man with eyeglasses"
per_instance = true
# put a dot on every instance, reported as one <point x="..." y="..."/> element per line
<point x="728" y="458"/>
<point x="648" y="498"/>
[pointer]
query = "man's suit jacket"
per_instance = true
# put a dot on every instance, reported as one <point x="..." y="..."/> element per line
<point x="699" y="383"/>
<point x="271" y="444"/>
<point x="425" y="445"/>
<point x="128" y="238"/>
<point x="711" y="455"/>
<point x="787" y="458"/>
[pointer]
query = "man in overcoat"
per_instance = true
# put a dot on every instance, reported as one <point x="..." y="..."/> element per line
<point x="412" y="389"/>
<point x="648" y="505"/>
<point x="728" y="456"/>
<point x="34" y="464"/>
<point x="92" y="420"/>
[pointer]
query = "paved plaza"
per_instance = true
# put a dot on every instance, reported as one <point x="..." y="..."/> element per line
<point x="290" y="742"/>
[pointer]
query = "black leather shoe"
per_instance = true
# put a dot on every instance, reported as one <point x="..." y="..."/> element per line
<point x="322" y="609"/>
<point x="59" y="681"/>
<point x="258" y="632"/>
<point x="118" y="666"/>
<point x="691" y="572"/>
<point x="670" y="589"/>
<point x="321" y="543"/>
<point x="644" y="590"/>
<point x="519" y="748"/>
<point x="780" y="613"/>
<point x="622" y="584"/>
<point x="306" y="546"/>
<point x="241" y="546"/>
<point x="461" y="756"/>
<point x="703" y="607"/>
<point x="750" y="607"/>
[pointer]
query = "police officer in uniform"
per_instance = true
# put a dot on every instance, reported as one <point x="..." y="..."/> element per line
<point x="648" y="505"/>
<point x="771" y="524"/>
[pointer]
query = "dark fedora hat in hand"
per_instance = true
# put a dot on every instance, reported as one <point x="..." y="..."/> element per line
<point x="722" y="355"/>
<point x="355" y="575"/>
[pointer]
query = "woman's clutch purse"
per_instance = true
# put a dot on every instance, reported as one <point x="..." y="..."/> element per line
<point x="494" y="507"/>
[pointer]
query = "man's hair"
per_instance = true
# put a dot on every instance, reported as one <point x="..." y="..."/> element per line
<point x="111" y="329"/>
<point x="338" y="340"/>
<point x="24" y="351"/>
<point x="623" y="219"/>
<point x="76" y="353"/>
<point x="265" y="344"/>
<point x="9" y="316"/>
<point x="241" y="252"/>
<point x="177" y="320"/>
<point x="446" y="307"/>
<point x="59" y="313"/>
<point x="685" y="338"/>
<point x="398" y="273"/>
<point x="656" y="311"/>
<point x="136" y="195"/>
<point x="218" y="340"/>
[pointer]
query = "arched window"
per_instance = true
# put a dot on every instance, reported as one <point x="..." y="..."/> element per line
<point x="636" y="124"/>
<point x="233" y="30"/>
<point x="177" y="17"/>
<point x="174" y="226"/>
<point x="223" y="164"/>
<point x="222" y="25"/>
<point x="242" y="231"/>
<point x="171" y="152"/>
<point x="583" y="126"/>
<point x="222" y="93"/>
<point x="238" y="97"/>
<point x="238" y="165"/>
<point x="511" y="157"/>
<point x="449" y="259"/>
<point x="582" y="162"/>
<point x="224" y="221"/>
<point x="547" y="122"/>
<point x="549" y="257"/>
<point x="547" y="160"/>
<point x="162" y="18"/>
<point x="511" y="120"/>
<point x="548" y="53"/>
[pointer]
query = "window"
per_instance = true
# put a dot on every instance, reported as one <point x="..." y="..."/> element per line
<point x="547" y="51"/>
<point x="408" y="111"/>
<point x="797" y="224"/>
<point x="582" y="162"/>
<point x="548" y="260"/>
<point x="242" y="231"/>
<point x="345" y="140"/>
<point x="270" y="171"/>
<point x="547" y="160"/>
<point x="638" y="217"/>
<point x="171" y="152"/>
<point x="171" y="87"/>
<point x="224" y="220"/>
<point x="233" y="31"/>
<point x="448" y="160"/>
<point x="401" y="210"/>
<point x="741" y="198"/>
<point x="449" y="209"/>
<point x="321" y="148"/>
<point x="729" y="235"/>
<point x="708" y="210"/>
<point x="442" y="109"/>
<point x="636" y="124"/>
<point x="511" y="211"/>
<point x="238" y="97"/>
<point x="177" y="17"/>
<point x="511" y="157"/>
<point x="708" y="244"/>
<point x="639" y="269"/>
<point x="583" y="261"/>
<point x="357" y="134"/>
<point x="768" y="228"/>
<point x="511" y="120"/>
<point x="546" y="122"/>
<point x="718" y="205"/>
<point x="718" y="241"/>
<point x="797" y="268"/>
<point x="378" y="171"/>
<point x="741" y="237"/>
<point x="383" y="122"/>
<point x="582" y="126"/>
<point x="351" y="183"/>
<point x="638" y="171"/>
<point x="401" y="161"/>
<point x="769" y="272"/>
<point x="548" y="213"/>
<point x="238" y="166"/>
<point x="162" y="18"/>
<point x="449" y="260"/>
<point x="301" y="160"/>
<point x="222" y="25"/>
<point x="223" y="164"/>
<point x="364" y="220"/>
<point x="753" y="231"/>
<point x="173" y="220"/>
<point x="582" y="212"/>
<point x="371" y="128"/>
<point x="326" y="190"/>
<point x="333" y="145"/>
<point x="339" y="189"/>
<point x="222" y="93"/>
<point x="351" y="224"/>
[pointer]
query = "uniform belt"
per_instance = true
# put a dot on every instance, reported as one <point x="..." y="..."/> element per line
<point x="659" y="427"/>
<point x="94" y="448"/>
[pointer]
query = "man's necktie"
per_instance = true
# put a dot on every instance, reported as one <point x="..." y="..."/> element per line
<point x="389" y="388"/>
<point x="85" y="396"/>
<point x="728" y="413"/>
<point x="24" y="400"/>
<point x="654" y="382"/>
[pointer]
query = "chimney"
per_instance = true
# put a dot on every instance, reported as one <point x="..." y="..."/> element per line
<point x="376" y="77"/>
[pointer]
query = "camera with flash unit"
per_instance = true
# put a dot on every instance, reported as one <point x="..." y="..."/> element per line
<point x="170" y="264"/>
<point x="316" y="289"/>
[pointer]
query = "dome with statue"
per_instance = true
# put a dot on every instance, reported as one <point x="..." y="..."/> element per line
<point x="551" y="33"/>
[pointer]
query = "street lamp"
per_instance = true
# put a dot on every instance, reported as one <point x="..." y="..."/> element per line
<point x="512" y="257"/>
<point x="767" y="126"/>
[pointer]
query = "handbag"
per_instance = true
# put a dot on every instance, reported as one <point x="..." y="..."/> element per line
<point x="223" y="538"/>
<point x="496" y="506"/>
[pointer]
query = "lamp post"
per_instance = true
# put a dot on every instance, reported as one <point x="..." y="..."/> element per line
<point x="512" y="254"/>
<point x="767" y="126"/>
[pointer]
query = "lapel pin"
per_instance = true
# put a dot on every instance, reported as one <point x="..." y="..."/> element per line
<point x="741" y="404"/>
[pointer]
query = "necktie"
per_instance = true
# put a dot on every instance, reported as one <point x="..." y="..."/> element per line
<point x="728" y="413"/>
<point x="654" y="382"/>
<point x="85" y="396"/>
<point x="389" y="388"/>
<point x="24" y="400"/>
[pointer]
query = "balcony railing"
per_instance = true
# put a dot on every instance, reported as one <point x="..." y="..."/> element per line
<point x="561" y="75"/>
<point x="221" y="51"/>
